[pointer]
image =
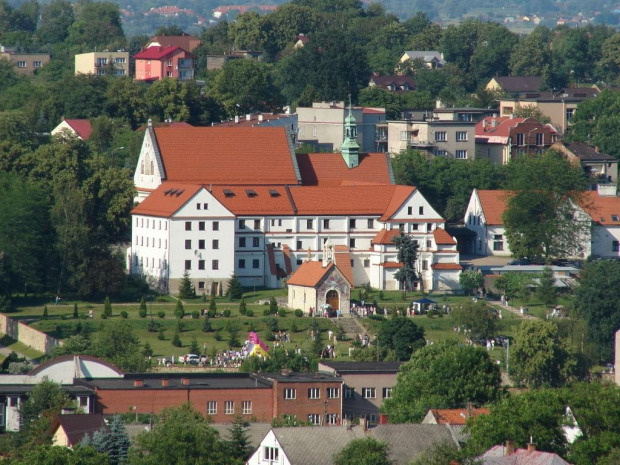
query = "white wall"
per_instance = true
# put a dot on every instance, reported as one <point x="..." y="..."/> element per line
<point x="602" y="239"/>
<point x="149" y="170"/>
<point x="257" y="458"/>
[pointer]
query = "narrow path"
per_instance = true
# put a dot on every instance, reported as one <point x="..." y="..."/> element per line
<point x="351" y="326"/>
<point x="512" y="309"/>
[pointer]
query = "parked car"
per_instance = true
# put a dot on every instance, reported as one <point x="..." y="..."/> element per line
<point x="192" y="359"/>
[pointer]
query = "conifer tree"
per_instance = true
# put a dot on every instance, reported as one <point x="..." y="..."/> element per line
<point x="179" y="311"/>
<point x="234" y="287"/>
<point x="112" y="440"/>
<point x="239" y="445"/>
<point x="107" y="307"/>
<point x="75" y="311"/>
<point x="186" y="288"/>
<point x="243" y="307"/>
<point x="212" y="304"/>
<point x="45" y="312"/>
<point x="143" y="304"/>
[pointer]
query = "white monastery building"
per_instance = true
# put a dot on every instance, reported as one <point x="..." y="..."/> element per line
<point x="222" y="200"/>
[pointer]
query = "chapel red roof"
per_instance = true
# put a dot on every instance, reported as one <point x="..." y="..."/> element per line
<point x="166" y="200"/>
<point x="343" y="261"/>
<point x="227" y="155"/>
<point x="82" y="127"/>
<point x="310" y="274"/>
<point x="155" y="53"/>
<point x="442" y="237"/>
<point x="330" y="169"/>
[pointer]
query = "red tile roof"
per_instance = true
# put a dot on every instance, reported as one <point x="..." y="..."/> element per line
<point x="446" y="266"/>
<point x="401" y="194"/>
<point x="456" y="416"/>
<point x="343" y="261"/>
<point x="442" y="237"/>
<point x="504" y="125"/>
<point x="286" y="252"/>
<point x="604" y="210"/>
<point x="272" y="259"/>
<point x="76" y="426"/>
<point x="155" y="53"/>
<point x="166" y="200"/>
<point x="330" y="169"/>
<point x="385" y="237"/>
<point x="186" y="42"/>
<point x="392" y="264"/>
<point x="309" y="274"/>
<point x="493" y="205"/>
<point x="254" y="200"/>
<point x="82" y="127"/>
<point x="227" y="155"/>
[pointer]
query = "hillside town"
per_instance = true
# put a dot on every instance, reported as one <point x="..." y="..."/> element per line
<point x="308" y="224"/>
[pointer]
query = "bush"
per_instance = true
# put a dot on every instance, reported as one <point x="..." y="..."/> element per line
<point x="75" y="311"/>
<point x="212" y="305"/>
<point x="142" y="312"/>
<point x="206" y="326"/>
<point x="203" y="297"/>
<point x="217" y="336"/>
<point x="195" y="314"/>
<point x="104" y="316"/>
<point x="227" y="313"/>
<point x="152" y="326"/>
<point x="160" y="334"/>
<point x="176" y="340"/>
<point x="249" y="312"/>
<point x="266" y="312"/>
<point x="124" y="314"/>
<point x="299" y="312"/>
<point x="161" y="299"/>
<point x="273" y="306"/>
<point x="243" y="307"/>
<point x="107" y="307"/>
<point x="45" y="312"/>
<point x="179" y="311"/>
<point x="143" y="304"/>
<point x="380" y="295"/>
<point x="161" y="314"/>
<point x="211" y="313"/>
<point x="294" y="328"/>
<point x="282" y="313"/>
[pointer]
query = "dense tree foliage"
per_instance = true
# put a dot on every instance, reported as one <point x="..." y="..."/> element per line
<point x="366" y="451"/>
<point x="442" y="375"/>
<point x="479" y="318"/>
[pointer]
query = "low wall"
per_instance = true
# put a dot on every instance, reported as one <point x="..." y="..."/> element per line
<point x="26" y="335"/>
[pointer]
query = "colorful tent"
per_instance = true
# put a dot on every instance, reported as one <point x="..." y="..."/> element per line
<point x="256" y="346"/>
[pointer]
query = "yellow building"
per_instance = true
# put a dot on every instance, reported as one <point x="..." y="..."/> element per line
<point x="100" y="63"/>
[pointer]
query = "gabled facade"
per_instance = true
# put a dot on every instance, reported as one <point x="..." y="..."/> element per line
<point x="157" y="63"/>
<point x="397" y="84"/>
<point x="484" y="217"/>
<point x="598" y="166"/>
<point x="80" y="128"/>
<point x="514" y="85"/>
<point x="186" y="42"/>
<point x="431" y="58"/>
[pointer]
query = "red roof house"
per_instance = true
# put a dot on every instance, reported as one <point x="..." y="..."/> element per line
<point x="156" y="63"/>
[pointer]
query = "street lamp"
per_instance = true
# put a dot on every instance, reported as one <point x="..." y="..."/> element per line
<point x="112" y="154"/>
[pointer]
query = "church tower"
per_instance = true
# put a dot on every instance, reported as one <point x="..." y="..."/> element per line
<point x="350" y="149"/>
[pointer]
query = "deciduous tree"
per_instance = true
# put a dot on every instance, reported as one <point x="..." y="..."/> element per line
<point x="478" y="317"/>
<point x="366" y="451"/>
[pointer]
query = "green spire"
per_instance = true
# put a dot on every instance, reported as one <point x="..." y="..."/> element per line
<point x="350" y="149"/>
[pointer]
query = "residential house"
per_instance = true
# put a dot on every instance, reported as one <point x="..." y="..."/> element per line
<point x="455" y="419"/>
<point x="440" y="134"/>
<point x="503" y="138"/>
<point x="323" y="125"/>
<point x="102" y="63"/>
<point x="156" y="63"/>
<point x="398" y="84"/>
<point x="466" y="114"/>
<point x="68" y="429"/>
<point x="218" y="61"/>
<point x="186" y="42"/>
<point x="431" y="58"/>
<point x="484" y="217"/>
<point x="308" y="445"/>
<point x="79" y="128"/>
<point x="238" y="199"/>
<point x="24" y="63"/>
<point x="514" y="85"/>
<point x="508" y="455"/>
<point x="366" y="386"/>
<point x="559" y="106"/>
<point x="598" y="166"/>
<point x="300" y="41"/>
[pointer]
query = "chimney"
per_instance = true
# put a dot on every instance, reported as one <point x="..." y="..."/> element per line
<point x="248" y="117"/>
<point x="484" y="123"/>
<point x="493" y="123"/>
<point x="510" y="448"/>
<point x="138" y="383"/>
<point x="512" y="116"/>
<point x="531" y="447"/>
<point x="185" y="381"/>
<point x="237" y="119"/>
<point x="260" y="117"/>
<point x="150" y="123"/>
<point x="165" y="382"/>
<point x="596" y="148"/>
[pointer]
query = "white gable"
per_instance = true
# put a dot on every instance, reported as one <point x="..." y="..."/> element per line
<point x="150" y="169"/>
<point x="195" y="207"/>
<point x="413" y="204"/>
<point x="474" y="207"/>
<point x="64" y="127"/>
<point x="269" y="441"/>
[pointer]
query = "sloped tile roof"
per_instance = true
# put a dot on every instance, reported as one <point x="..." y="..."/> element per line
<point x="493" y="205"/>
<point x="446" y="266"/>
<point x="166" y="200"/>
<point x="587" y="152"/>
<point x="155" y="53"/>
<point x="442" y="237"/>
<point x="495" y="456"/>
<point x="81" y="126"/>
<point x="385" y="237"/>
<point x="386" y="81"/>
<point x="604" y="210"/>
<point x="519" y="83"/>
<point x="504" y="125"/>
<point x="392" y="264"/>
<point x="456" y="416"/>
<point x="401" y="194"/>
<point x="343" y="261"/>
<point x="309" y="274"/>
<point x="408" y="441"/>
<point x="254" y="200"/>
<point x="330" y="169"/>
<point x="76" y="426"/>
<point x="227" y="155"/>
<point x="186" y="42"/>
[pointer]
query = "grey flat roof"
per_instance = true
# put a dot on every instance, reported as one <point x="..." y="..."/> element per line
<point x="175" y="381"/>
<point x="301" y="377"/>
<point x="364" y="367"/>
<point x="529" y="268"/>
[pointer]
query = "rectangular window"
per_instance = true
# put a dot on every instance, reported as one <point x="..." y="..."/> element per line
<point x="201" y="264"/>
<point x="333" y="393"/>
<point x="441" y="136"/>
<point x="615" y="246"/>
<point x="255" y="263"/>
<point x="520" y="139"/>
<point x="215" y="265"/>
<point x="421" y="210"/>
<point x="387" y="393"/>
<point x="299" y="262"/>
<point x="352" y="263"/>
<point x="271" y="454"/>
<point x="409" y="210"/>
<point x="215" y="244"/>
<point x="188" y="264"/>
<point x="498" y="242"/>
<point x="314" y="418"/>
<point x="211" y="407"/>
<point x="349" y="393"/>
<point x="314" y="131"/>
<point x="169" y="74"/>
<point x="229" y="407"/>
<point x="461" y="154"/>
<point x="201" y="285"/>
<point x="201" y="244"/>
<point x="440" y="153"/>
<point x="216" y="225"/>
<point x="539" y="138"/>
<point x="424" y="265"/>
<point x="241" y="263"/>
<point x="241" y="224"/>
<point x="246" y="407"/>
<point x="36" y="64"/>
<point x="198" y="206"/>
<point x="201" y="226"/>
<point x="308" y="224"/>
<point x="369" y="393"/>
<point x="188" y="225"/>
<point x="461" y="136"/>
<point x="242" y="242"/>
<point x="205" y="206"/>
<point x="299" y="245"/>
<point x="569" y="114"/>
<point x="256" y="242"/>
<point x="351" y="243"/>
<point x="403" y="135"/>
<point x="21" y="64"/>
<point x="188" y="244"/>
<point x="314" y="393"/>
<point x="371" y="223"/>
<point x="366" y="263"/>
<point x="332" y="418"/>
<point x="351" y="223"/>
<point x="325" y="224"/>
<point x="290" y="393"/>
<point x="257" y="224"/>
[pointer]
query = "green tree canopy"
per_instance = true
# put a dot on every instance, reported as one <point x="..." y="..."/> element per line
<point x="399" y="337"/>
<point x="478" y="317"/>
<point x="470" y="281"/>
<point x="442" y="375"/>
<point x="366" y="451"/>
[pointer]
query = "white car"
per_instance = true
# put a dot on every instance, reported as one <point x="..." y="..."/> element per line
<point x="192" y="359"/>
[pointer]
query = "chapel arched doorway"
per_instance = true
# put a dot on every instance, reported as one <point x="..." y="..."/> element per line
<point x="333" y="299"/>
